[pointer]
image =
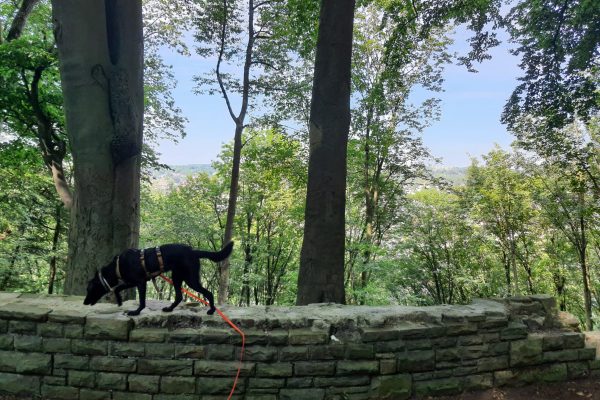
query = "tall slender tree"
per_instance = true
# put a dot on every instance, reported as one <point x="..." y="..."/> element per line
<point x="321" y="275"/>
<point x="101" y="62"/>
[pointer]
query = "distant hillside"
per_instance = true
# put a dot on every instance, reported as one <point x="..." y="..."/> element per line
<point x="454" y="175"/>
<point x="164" y="180"/>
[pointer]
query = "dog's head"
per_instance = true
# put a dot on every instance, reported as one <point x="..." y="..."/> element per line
<point x="95" y="289"/>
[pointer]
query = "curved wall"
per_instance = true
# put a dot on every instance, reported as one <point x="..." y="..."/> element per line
<point x="55" y="347"/>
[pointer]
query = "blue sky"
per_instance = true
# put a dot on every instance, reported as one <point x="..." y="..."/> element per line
<point x="469" y="125"/>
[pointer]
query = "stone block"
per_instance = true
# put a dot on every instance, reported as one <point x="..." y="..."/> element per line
<point x="22" y="327"/>
<point x="73" y="331"/>
<point x="144" y="383"/>
<point x="56" y="345"/>
<point x="492" y="364"/>
<point x="302" y="382"/>
<point x="200" y="336"/>
<point x="153" y="350"/>
<point x="224" y="352"/>
<point x="147" y="335"/>
<point x="470" y="340"/>
<point x="81" y="378"/>
<point x="60" y="392"/>
<point x="308" y="336"/>
<point x="54" y="380"/>
<point x="50" y="329"/>
<point x="387" y="366"/>
<point x="89" y="394"/>
<point x="67" y="361"/>
<point x="449" y="354"/>
<point x="439" y="387"/>
<point x="131" y="396"/>
<point x="189" y="351"/>
<point x="304" y="394"/>
<point x="326" y="352"/>
<point x="6" y="342"/>
<point x="392" y="387"/>
<point x="279" y="369"/>
<point x="216" y="386"/>
<point x="28" y="343"/>
<point x="416" y="361"/>
<point x="89" y="347"/>
<point x="294" y="353"/>
<point x="127" y="349"/>
<point x="266" y="383"/>
<point x="551" y="373"/>
<point x="587" y="354"/>
<point x="26" y="363"/>
<point x="358" y="351"/>
<point x="23" y="312"/>
<point x="165" y="367"/>
<point x="223" y="368"/>
<point x="20" y="385"/>
<point x="573" y="340"/>
<point x="465" y="328"/>
<point x="560" y="355"/>
<point x="379" y="334"/>
<point x="390" y="346"/>
<point x="107" y="327"/>
<point x="111" y="381"/>
<point x="514" y="331"/>
<point x="577" y="370"/>
<point x="178" y="384"/>
<point x="113" y="364"/>
<point x="343" y="381"/>
<point x="525" y="352"/>
<point x="260" y="353"/>
<point x="357" y="367"/>
<point x="72" y="315"/>
<point x="411" y="330"/>
<point x="479" y="382"/>
<point x="314" y="368"/>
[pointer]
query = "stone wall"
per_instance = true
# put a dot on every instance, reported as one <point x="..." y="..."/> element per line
<point x="55" y="347"/>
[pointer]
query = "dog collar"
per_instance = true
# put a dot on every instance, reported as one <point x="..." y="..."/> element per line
<point x="104" y="283"/>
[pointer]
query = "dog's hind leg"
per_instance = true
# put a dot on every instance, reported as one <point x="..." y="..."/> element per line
<point x="178" y="296"/>
<point x="193" y="281"/>
<point x="142" y="293"/>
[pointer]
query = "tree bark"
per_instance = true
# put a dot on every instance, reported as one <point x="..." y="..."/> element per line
<point x="321" y="275"/>
<point x="53" y="259"/>
<point x="101" y="66"/>
<point x="18" y="22"/>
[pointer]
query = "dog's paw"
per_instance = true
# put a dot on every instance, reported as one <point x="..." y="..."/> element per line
<point x="167" y="309"/>
<point x="133" y="313"/>
<point x="211" y="311"/>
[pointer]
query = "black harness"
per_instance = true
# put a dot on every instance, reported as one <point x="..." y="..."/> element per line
<point x="149" y="275"/>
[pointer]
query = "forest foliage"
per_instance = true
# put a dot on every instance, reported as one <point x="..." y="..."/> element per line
<point x="522" y="221"/>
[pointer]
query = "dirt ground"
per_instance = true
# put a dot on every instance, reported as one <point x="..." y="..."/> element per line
<point x="582" y="389"/>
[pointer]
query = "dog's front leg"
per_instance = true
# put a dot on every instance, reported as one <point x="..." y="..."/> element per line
<point x="118" y="291"/>
<point x="142" y="293"/>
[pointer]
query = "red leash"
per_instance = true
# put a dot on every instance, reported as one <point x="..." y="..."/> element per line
<point x="234" y="326"/>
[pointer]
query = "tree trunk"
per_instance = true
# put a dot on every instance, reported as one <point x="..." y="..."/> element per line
<point x="321" y="275"/>
<point x="231" y="207"/>
<point x="53" y="260"/>
<point x="18" y="22"/>
<point x="101" y="63"/>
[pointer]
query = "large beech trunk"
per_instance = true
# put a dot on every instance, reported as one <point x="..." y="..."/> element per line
<point x="321" y="276"/>
<point x="101" y="63"/>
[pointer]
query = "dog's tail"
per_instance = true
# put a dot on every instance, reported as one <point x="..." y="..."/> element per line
<point x="215" y="256"/>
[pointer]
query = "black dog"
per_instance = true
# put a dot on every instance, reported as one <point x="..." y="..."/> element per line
<point x="135" y="267"/>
